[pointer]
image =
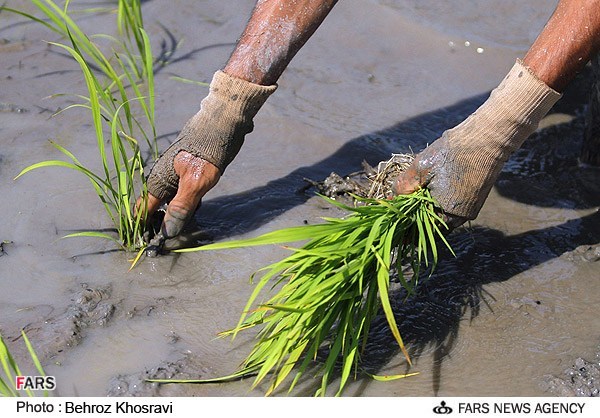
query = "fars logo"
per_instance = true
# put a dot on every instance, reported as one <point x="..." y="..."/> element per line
<point x="35" y="382"/>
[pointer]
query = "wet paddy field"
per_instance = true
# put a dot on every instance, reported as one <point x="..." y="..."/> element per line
<point x="513" y="314"/>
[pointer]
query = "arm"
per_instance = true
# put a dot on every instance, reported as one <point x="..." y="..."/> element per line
<point x="461" y="167"/>
<point x="212" y="138"/>
<point x="275" y="33"/>
<point x="568" y="42"/>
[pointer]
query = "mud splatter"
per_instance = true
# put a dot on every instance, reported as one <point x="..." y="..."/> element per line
<point x="55" y="334"/>
<point x="137" y="384"/>
<point x="11" y="108"/>
<point x="581" y="379"/>
<point x="589" y="253"/>
<point x="149" y="309"/>
<point x="2" y="244"/>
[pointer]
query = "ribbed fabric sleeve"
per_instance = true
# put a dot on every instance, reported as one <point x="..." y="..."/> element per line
<point x="478" y="148"/>
<point x="216" y="133"/>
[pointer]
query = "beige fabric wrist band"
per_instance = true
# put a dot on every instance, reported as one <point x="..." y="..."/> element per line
<point x="478" y="148"/>
<point x="216" y="133"/>
<point x="228" y="110"/>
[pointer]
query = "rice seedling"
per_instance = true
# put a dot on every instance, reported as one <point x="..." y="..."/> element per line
<point x="119" y="83"/>
<point x="331" y="287"/>
<point x="11" y="369"/>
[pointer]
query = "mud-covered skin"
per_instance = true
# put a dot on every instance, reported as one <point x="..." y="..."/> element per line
<point x="275" y="33"/>
<point x="199" y="176"/>
<point x="432" y="169"/>
<point x="171" y="227"/>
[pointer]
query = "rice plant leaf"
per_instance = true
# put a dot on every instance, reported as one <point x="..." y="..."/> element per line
<point x="137" y="257"/>
<point x="94" y="102"/>
<point x="32" y="354"/>
<point x="285" y="308"/>
<point x="34" y="357"/>
<point x="292" y="234"/>
<point x="422" y="242"/>
<point x="51" y="163"/>
<point x="382" y="285"/>
<point x="439" y="232"/>
<point x="30" y="17"/>
<point x="388" y="378"/>
<point x="6" y="390"/>
<point x="149" y="72"/>
<point x="188" y="81"/>
<point x="287" y="367"/>
<point x="263" y="281"/>
<point x="9" y="366"/>
<point x="329" y="366"/>
<point x="430" y="237"/>
<point x="234" y="376"/>
<point x="347" y="368"/>
<point x="93" y="234"/>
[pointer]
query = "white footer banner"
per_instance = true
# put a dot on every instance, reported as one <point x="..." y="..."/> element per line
<point x="300" y="407"/>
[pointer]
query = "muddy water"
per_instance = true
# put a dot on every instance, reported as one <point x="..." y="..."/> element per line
<point x="515" y="306"/>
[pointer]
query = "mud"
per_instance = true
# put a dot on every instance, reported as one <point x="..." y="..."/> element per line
<point x="139" y="384"/>
<point x="581" y="379"/>
<point x="515" y="306"/>
<point x="2" y="245"/>
<point x="337" y="186"/>
<point x="11" y="108"/>
<point x="57" y="333"/>
<point x="369" y="182"/>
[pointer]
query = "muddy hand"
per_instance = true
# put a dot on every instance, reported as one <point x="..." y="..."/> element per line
<point x="196" y="178"/>
<point x="429" y="169"/>
<point x="206" y="145"/>
<point x="460" y="168"/>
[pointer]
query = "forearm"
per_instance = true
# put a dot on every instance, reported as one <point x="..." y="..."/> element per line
<point x="275" y="33"/>
<point x="569" y="40"/>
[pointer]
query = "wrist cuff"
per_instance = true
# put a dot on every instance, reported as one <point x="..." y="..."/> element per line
<point x="216" y="133"/>
<point x="511" y="113"/>
<point x="477" y="149"/>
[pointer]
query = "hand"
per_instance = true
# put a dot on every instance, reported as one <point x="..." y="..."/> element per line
<point x="432" y="169"/>
<point x="206" y="145"/>
<point x="461" y="167"/>
<point x="196" y="178"/>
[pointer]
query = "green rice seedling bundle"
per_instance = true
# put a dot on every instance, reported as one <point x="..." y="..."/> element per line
<point x="10" y="369"/>
<point x="120" y="99"/>
<point x="330" y="288"/>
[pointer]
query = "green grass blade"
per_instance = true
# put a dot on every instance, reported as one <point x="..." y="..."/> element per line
<point x="32" y="354"/>
<point x="149" y="73"/>
<point x="389" y="378"/>
<point x="34" y="357"/>
<point x="188" y="81"/>
<point x="382" y="285"/>
<point x="92" y="234"/>
<point x="9" y="366"/>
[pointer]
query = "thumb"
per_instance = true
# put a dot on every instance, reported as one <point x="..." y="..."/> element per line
<point x="409" y="181"/>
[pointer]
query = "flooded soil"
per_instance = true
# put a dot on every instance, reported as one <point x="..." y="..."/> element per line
<point x="513" y="314"/>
